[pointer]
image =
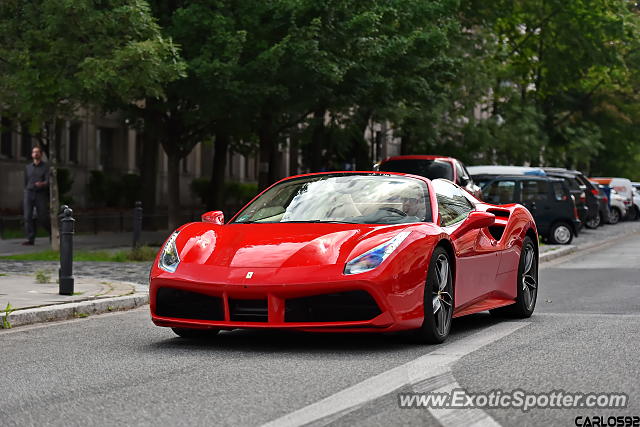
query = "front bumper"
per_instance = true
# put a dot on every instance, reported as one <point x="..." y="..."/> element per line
<point x="346" y="304"/>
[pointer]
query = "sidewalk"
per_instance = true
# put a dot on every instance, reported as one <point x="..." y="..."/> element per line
<point x="588" y="239"/>
<point x="98" y="241"/>
<point x="34" y="302"/>
<point x="23" y="291"/>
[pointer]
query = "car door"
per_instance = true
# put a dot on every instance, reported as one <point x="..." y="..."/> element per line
<point x="535" y="197"/>
<point x="476" y="255"/>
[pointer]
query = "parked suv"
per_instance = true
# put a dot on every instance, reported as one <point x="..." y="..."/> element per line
<point x="586" y="201"/>
<point x="432" y="167"/>
<point x="548" y="199"/>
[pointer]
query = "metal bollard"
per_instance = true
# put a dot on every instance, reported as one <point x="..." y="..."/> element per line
<point x="65" y="273"/>
<point x="137" y="224"/>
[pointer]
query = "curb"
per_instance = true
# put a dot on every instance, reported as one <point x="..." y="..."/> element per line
<point x="80" y="309"/>
<point x="75" y="310"/>
<point x="570" y="249"/>
<point x="558" y="253"/>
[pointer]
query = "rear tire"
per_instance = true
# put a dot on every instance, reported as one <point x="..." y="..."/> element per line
<point x="195" y="334"/>
<point x="595" y="222"/>
<point x="614" y="218"/>
<point x="633" y="214"/>
<point x="561" y="234"/>
<point x="527" y="284"/>
<point x="438" y="300"/>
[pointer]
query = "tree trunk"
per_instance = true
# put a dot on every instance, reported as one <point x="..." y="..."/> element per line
<point x="173" y="188"/>
<point x="54" y="202"/>
<point x="317" y="139"/>
<point x="215" y="200"/>
<point x="266" y="155"/>
<point x="293" y="154"/>
<point x="406" y="143"/>
<point x="149" y="170"/>
<point x="360" y="146"/>
<point x="275" y="161"/>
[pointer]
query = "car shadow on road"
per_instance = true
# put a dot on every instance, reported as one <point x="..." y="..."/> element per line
<point x="273" y="341"/>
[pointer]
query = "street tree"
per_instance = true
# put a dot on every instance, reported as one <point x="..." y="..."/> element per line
<point x="57" y="56"/>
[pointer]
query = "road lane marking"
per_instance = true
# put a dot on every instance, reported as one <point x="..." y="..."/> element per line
<point x="434" y="367"/>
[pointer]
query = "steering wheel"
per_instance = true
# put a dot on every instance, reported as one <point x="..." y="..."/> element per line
<point x="394" y="210"/>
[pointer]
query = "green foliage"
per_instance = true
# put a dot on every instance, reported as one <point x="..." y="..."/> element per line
<point x="65" y="183"/>
<point x="141" y="254"/>
<point x="236" y="194"/>
<point x="43" y="276"/>
<point x="5" y="319"/>
<point x="131" y="190"/>
<point x="59" y="54"/>
<point x="200" y="187"/>
<point x="240" y="193"/>
<point x="114" y="190"/>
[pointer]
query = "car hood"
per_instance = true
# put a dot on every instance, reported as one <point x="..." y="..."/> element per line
<point x="279" y="245"/>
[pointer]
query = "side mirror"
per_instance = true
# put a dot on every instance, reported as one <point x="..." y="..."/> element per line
<point x="214" y="217"/>
<point x="475" y="220"/>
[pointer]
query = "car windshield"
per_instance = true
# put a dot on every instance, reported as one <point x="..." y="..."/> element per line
<point x="432" y="169"/>
<point x="349" y="198"/>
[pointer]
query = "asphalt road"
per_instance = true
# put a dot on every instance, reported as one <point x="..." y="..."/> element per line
<point x="119" y="369"/>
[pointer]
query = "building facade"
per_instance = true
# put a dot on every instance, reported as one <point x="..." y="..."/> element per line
<point x="106" y="143"/>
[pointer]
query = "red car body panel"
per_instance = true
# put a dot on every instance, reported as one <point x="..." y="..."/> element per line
<point x="278" y="262"/>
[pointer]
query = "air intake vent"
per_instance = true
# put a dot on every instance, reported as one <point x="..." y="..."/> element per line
<point x="338" y="307"/>
<point x="248" y="310"/>
<point x="188" y="305"/>
<point x="499" y="213"/>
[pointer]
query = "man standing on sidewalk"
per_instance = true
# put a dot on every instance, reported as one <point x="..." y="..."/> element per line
<point x="36" y="195"/>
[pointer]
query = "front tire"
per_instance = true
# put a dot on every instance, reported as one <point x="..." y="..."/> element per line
<point x="561" y="234"/>
<point x="527" y="284"/>
<point x="195" y="334"/>
<point x="438" y="300"/>
<point x="595" y="222"/>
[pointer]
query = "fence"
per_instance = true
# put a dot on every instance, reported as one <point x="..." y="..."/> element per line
<point x="97" y="222"/>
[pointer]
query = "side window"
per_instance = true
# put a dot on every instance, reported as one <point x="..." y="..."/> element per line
<point x="463" y="176"/>
<point x="453" y="206"/>
<point x="559" y="192"/>
<point x="500" y="192"/>
<point x="534" y="191"/>
<point x="573" y="184"/>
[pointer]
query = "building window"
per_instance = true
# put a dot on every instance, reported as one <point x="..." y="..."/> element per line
<point x="25" y="141"/>
<point x="139" y="149"/>
<point x="74" y="139"/>
<point x="6" y="138"/>
<point x="106" y="148"/>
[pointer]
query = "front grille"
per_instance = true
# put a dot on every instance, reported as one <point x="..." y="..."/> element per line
<point x="338" y="307"/>
<point x="248" y="310"/>
<point x="188" y="305"/>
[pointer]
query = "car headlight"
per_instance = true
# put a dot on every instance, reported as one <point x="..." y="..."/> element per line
<point x="374" y="257"/>
<point x="169" y="258"/>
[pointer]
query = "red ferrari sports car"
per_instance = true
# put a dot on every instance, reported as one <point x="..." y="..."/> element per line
<point x="348" y="251"/>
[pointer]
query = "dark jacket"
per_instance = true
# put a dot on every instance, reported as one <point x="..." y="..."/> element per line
<point x="33" y="174"/>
